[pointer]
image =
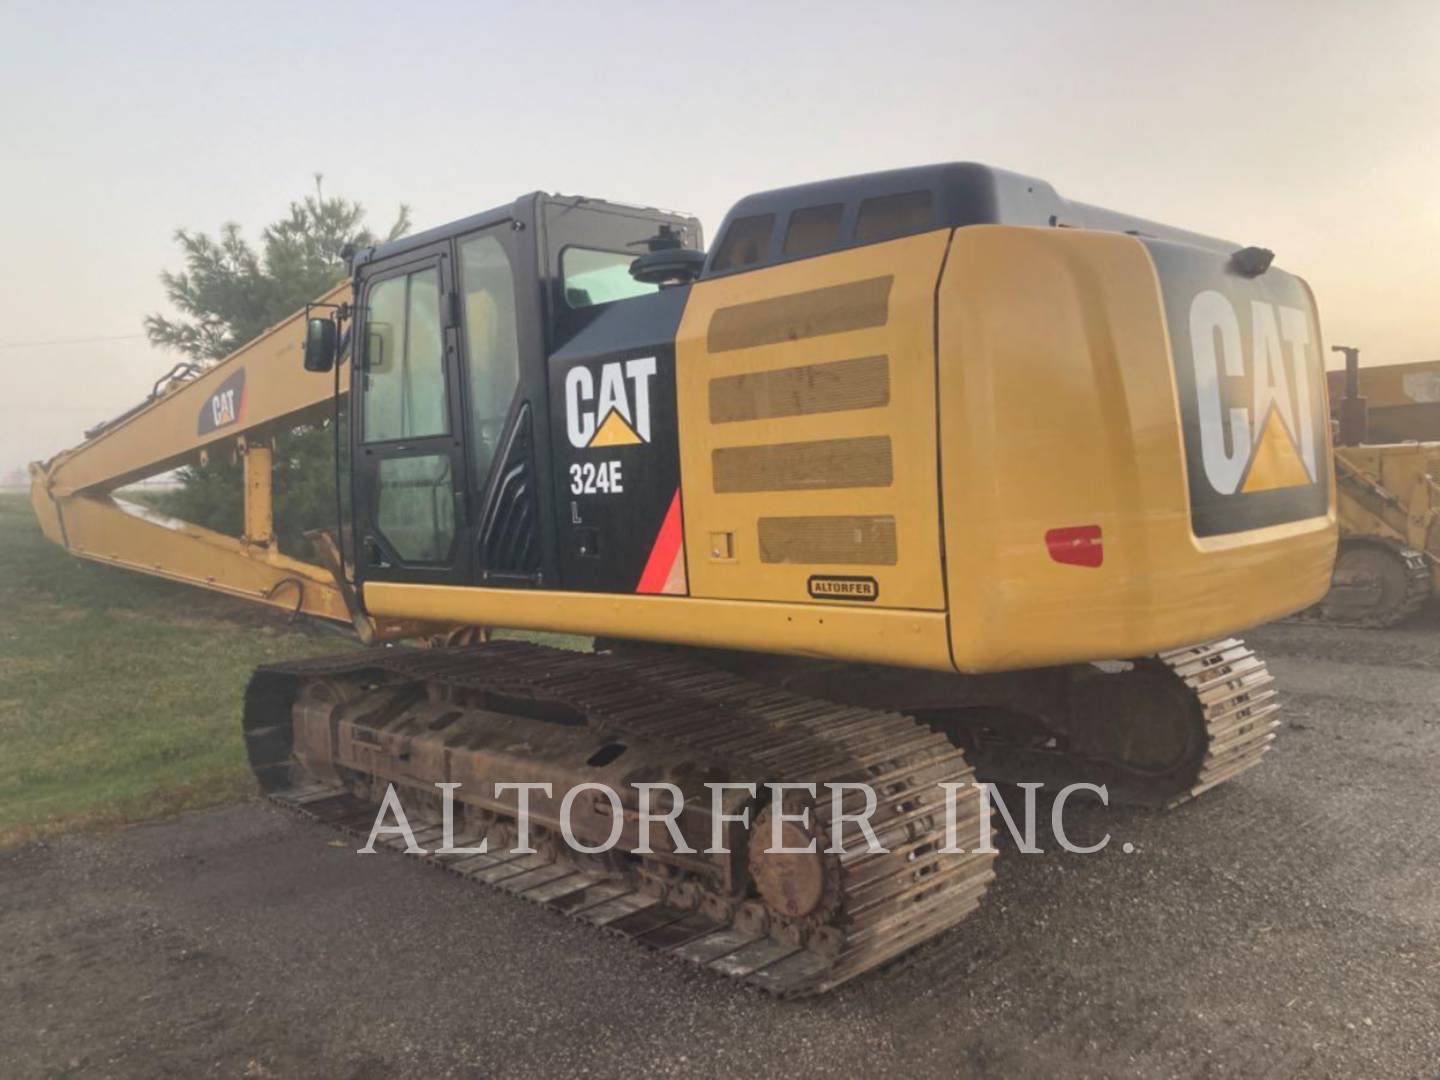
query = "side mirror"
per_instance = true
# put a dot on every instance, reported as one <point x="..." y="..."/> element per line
<point x="320" y="338"/>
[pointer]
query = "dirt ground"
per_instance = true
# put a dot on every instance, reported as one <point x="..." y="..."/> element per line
<point x="1287" y="925"/>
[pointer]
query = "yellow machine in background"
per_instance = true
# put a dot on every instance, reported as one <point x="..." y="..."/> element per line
<point x="1387" y="471"/>
<point x="913" y="472"/>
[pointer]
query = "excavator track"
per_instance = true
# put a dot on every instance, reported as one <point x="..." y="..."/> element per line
<point x="1417" y="589"/>
<point x="1232" y="687"/>
<point x="1157" y="733"/>
<point x="789" y="924"/>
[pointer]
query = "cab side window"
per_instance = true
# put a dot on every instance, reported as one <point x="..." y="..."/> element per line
<point x="492" y="343"/>
<point x="404" y="359"/>
<point x="404" y="398"/>
<point x="592" y="276"/>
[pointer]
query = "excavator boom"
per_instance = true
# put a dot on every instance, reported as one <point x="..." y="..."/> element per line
<point x="237" y="406"/>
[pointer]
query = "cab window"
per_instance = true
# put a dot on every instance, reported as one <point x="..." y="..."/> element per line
<point x="595" y="277"/>
<point x="492" y="343"/>
<point x="404" y="369"/>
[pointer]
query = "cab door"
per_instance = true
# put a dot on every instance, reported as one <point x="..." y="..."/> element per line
<point x="504" y="386"/>
<point x="410" y="470"/>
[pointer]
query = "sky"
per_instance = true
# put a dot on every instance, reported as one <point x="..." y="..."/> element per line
<point x="1309" y="128"/>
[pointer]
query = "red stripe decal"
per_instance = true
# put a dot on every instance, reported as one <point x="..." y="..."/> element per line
<point x="665" y="551"/>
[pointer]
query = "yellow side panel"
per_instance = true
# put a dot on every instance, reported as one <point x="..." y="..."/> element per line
<point x="806" y="397"/>
<point x="1058" y="409"/>
<point x="860" y="632"/>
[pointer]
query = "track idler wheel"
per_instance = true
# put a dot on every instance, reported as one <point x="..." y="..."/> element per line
<point x="1143" y="723"/>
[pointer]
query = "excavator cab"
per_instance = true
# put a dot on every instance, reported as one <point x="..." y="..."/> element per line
<point x="451" y="477"/>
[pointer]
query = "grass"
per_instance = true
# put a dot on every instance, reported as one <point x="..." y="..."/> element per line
<point x="119" y="694"/>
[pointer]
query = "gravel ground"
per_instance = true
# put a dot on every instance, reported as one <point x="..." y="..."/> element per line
<point x="1286" y="925"/>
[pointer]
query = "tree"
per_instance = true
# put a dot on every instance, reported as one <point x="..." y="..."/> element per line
<point x="228" y="294"/>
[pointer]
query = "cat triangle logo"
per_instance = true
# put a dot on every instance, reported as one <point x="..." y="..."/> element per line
<point x="610" y="407"/>
<point x="1257" y="424"/>
<point x="615" y="432"/>
<point x="1275" y="462"/>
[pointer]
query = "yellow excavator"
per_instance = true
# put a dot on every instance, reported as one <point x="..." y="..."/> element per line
<point x="912" y="476"/>
<point x="1387" y="475"/>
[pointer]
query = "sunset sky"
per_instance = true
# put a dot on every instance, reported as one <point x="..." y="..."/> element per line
<point x="1309" y="128"/>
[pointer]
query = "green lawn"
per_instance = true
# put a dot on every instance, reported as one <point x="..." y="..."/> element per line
<point x="119" y="694"/>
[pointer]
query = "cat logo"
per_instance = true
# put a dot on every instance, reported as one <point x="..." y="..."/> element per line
<point x="1256" y="413"/>
<point x="1250" y="383"/>
<point x="225" y="406"/>
<point x="618" y="414"/>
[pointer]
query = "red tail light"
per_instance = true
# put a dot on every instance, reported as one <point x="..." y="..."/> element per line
<point x="1077" y="545"/>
